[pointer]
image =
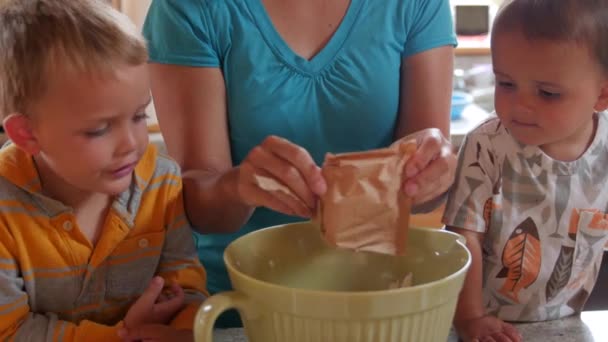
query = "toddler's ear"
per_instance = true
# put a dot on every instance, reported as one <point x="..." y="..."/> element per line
<point x="18" y="128"/>
<point x="602" y="101"/>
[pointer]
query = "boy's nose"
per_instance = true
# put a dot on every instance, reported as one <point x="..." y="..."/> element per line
<point x="128" y="143"/>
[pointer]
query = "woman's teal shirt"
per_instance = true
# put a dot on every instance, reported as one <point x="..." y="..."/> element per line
<point x="346" y="98"/>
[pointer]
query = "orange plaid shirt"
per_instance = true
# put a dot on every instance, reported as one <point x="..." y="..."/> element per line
<point x="56" y="286"/>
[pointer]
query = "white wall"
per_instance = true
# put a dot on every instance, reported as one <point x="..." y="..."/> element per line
<point x="136" y="10"/>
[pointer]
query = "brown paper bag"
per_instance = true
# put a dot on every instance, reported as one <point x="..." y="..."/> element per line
<point x="365" y="208"/>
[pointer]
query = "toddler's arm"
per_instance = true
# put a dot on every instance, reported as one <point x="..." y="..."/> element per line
<point x="470" y="303"/>
<point x="471" y="321"/>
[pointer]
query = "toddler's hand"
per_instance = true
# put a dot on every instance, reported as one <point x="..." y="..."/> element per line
<point x="154" y="306"/>
<point x="486" y="328"/>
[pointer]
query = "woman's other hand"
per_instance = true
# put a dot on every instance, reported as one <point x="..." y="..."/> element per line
<point x="426" y="89"/>
<point x="290" y="165"/>
<point x="431" y="170"/>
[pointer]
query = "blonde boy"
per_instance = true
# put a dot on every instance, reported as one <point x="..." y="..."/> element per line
<point x="92" y="226"/>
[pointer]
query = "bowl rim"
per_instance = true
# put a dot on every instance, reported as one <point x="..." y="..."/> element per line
<point x="352" y="294"/>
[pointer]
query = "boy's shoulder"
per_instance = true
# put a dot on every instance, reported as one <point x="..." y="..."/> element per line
<point x="155" y="166"/>
<point x="18" y="179"/>
<point x="16" y="165"/>
<point x="156" y="180"/>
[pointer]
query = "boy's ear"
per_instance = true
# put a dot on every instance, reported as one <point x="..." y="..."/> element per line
<point x="18" y="128"/>
<point x="602" y="100"/>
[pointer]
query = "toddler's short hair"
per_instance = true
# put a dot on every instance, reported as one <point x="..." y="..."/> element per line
<point x="584" y="22"/>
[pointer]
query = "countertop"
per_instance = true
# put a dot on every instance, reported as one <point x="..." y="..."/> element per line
<point x="589" y="326"/>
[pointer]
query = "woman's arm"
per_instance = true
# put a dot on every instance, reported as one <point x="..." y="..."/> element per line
<point x="219" y="197"/>
<point x="191" y="108"/>
<point x="426" y="91"/>
<point x="424" y="107"/>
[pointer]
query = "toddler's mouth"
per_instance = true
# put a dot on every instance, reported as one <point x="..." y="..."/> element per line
<point x="523" y="124"/>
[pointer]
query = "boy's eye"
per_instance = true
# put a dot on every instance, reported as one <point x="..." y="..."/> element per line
<point x="548" y="94"/>
<point x="140" y="117"/>
<point x="97" y="132"/>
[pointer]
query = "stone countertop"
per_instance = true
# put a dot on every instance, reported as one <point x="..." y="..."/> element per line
<point x="589" y="326"/>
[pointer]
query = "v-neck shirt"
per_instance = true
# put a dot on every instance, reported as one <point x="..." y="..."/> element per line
<point x="343" y="99"/>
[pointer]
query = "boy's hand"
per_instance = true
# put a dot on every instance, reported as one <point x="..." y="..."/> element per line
<point x="154" y="306"/>
<point x="156" y="333"/>
<point x="486" y="328"/>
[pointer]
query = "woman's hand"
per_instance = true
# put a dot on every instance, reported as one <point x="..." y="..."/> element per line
<point x="290" y="165"/>
<point x="431" y="170"/>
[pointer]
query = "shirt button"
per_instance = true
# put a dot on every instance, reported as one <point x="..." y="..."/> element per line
<point x="143" y="243"/>
<point x="67" y="226"/>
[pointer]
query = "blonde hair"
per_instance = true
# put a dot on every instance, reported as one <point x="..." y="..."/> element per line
<point x="39" y="37"/>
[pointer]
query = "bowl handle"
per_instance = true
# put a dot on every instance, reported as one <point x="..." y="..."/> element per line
<point x="210" y="310"/>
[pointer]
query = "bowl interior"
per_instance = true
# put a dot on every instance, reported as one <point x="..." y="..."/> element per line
<point x="296" y="256"/>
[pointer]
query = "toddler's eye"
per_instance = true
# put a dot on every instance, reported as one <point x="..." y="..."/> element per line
<point x="506" y="85"/>
<point x="548" y="94"/>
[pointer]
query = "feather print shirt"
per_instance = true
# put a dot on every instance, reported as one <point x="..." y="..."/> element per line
<point x="544" y="221"/>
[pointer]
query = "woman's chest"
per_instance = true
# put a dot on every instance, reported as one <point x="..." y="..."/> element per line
<point x="306" y="26"/>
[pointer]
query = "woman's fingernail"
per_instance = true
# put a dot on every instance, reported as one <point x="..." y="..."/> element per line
<point x="411" y="189"/>
<point x="304" y="213"/>
<point x="320" y="186"/>
<point x="411" y="171"/>
<point x="310" y="212"/>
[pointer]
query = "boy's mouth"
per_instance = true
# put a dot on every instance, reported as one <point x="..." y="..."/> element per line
<point x="123" y="170"/>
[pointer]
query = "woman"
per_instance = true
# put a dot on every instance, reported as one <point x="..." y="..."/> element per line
<point x="244" y="87"/>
